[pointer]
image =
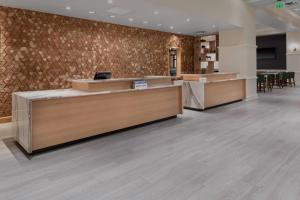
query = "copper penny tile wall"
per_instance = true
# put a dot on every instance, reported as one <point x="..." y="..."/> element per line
<point x="42" y="51"/>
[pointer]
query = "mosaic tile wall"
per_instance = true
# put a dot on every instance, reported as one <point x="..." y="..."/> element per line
<point x="42" y="51"/>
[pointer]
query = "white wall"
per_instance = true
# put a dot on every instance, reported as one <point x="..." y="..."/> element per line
<point x="5" y="130"/>
<point x="293" y="57"/>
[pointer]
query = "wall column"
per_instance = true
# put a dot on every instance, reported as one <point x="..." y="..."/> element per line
<point x="238" y="54"/>
<point x="293" y="53"/>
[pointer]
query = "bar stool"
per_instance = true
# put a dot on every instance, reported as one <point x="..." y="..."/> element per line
<point x="285" y="78"/>
<point x="281" y="79"/>
<point x="261" y="83"/>
<point x="270" y="82"/>
<point x="291" y="79"/>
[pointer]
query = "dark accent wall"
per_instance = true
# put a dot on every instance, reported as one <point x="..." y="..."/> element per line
<point x="40" y="51"/>
<point x="273" y="41"/>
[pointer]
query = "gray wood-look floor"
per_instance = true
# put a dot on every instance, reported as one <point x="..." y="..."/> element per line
<point x="243" y="151"/>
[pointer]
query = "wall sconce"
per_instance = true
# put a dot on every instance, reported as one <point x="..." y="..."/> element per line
<point x="294" y="47"/>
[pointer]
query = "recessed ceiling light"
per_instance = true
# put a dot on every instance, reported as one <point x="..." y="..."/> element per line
<point x="159" y="24"/>
<point x="214" y="26"/>
<point x="172" y="27"/>
<point x="188" y="19"/>
<point x="109" y="1"/>
<point x="155" y="12"/>
<point x="146" y="22"/>
<point x="92" y="12"/>
<point x="68" y="8"/>
<point x="130" y="19"/>
<point x="112" y="16"/>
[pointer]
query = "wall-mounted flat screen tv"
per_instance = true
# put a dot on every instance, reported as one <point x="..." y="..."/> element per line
<point x="266" y="54"/>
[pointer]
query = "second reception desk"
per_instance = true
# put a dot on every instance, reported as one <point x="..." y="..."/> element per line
<point x="48" y="118"/>
<point x="202" y="91"/>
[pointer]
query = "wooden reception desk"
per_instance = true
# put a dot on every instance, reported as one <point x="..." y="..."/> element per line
<point x="202" y="91"/>
<point x="44" y="119"/>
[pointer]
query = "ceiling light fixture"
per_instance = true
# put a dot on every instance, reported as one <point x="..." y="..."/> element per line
<point x="92" y="12"/>
<point x="130" y="19"/>
<point x="155" y="12"/>
<point x="188" y="19"/>
<point x="68" y="8"/>
<point x="171" y="27"/>
<point x="214" y="26"/>
<point x="159" y="24"/>
<point x="110" y="2"/>
<point x="112" y="16"/>
<point x="146" y="22"/>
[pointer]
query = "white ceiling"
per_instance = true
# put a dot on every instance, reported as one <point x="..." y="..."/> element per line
<point x="150" y="14"/>
<point x="274" y="20"/>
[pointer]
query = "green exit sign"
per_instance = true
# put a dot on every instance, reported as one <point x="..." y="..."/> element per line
<point x="280" y="5"/>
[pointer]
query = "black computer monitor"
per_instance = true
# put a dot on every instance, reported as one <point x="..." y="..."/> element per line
<point x="102" y="75"/>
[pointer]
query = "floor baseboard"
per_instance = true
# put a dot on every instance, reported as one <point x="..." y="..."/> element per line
<point x="6" y="130"/>
<point x="5" y="119"/>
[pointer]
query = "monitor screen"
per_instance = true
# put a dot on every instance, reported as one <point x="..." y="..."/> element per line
<point x="266" y="53"/>
<point x="102" y="75"/>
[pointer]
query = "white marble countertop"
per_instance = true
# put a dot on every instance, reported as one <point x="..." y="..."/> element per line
<point x="119" y="79"/>
<point x="218" y="81"/>
<point x="225" y="80"/>
<point x="219" y="73"/>
<point x="64" y="93"/>
<point x="211" y="74"/>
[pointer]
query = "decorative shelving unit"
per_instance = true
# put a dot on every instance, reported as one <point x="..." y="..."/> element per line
<point x="206" y="54"/>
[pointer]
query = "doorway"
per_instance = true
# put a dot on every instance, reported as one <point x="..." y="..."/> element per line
<point x="175" y="61"/>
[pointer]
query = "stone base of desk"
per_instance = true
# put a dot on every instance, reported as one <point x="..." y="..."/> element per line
<point x="202" y="95"/>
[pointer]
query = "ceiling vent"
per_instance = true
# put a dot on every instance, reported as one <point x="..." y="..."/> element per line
<point x="292" y="3"/>
<point x="118" y="11"/>
<point x="201" y="33"/>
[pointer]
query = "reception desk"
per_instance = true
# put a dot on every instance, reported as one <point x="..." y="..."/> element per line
<point x="48" y="118"/>
<point x="202" y="91"/>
